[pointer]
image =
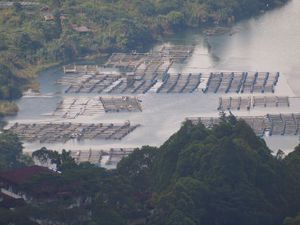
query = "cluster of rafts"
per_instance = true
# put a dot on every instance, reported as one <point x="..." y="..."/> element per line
<point x="138" y="73"/>
<point x="73" y="107"/>
<point x="270" y="124"/>
<point x="101" y="157"/>
<point x="63" y="132"/>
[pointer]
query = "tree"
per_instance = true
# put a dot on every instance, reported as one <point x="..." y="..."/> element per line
<point x="175" y="19"/>
<point x="61" y="161"/>
<point x="17" y="7"/>
<point x="10" y="151"/>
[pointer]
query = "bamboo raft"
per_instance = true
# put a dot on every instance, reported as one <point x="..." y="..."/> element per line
<point x="241" y="82"/>
<point x="103" y="158"/>
<point x="247" y="103"/>
<point x="71" y="108"/>
<point x="274" y="124"/>
<point x="63" y="132"/>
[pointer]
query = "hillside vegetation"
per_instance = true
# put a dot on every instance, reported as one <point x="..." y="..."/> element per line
<point x="222" y="176"/>
<point x="55" y="31"/>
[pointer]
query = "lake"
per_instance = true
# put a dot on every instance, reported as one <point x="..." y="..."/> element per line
<point x="269" y="42"/>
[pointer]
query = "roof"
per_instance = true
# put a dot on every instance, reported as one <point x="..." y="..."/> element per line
<point x="22" y="175"/>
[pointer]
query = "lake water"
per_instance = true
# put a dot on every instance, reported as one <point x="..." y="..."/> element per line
<point x="269" y="42"/>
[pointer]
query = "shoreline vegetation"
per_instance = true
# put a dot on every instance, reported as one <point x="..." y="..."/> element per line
<point x="38" y="36"/>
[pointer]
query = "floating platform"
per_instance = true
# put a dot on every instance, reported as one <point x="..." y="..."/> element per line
<point x="71" y="108"/>
<point x="177" y="53"/>
<point x="245" y="82"/>
<point x="143" y="79"/>
<point x="83" y="69"/>
<point x="105" y="158"/>
<point x="248" y="103"/>
<point x="180" y="83"/>
<point x="121" y="104"/>
<point x="63" y="132"/>
<point x="274" y="124"/>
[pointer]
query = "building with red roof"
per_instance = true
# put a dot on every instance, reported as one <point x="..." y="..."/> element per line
<point x="11" y="182"/>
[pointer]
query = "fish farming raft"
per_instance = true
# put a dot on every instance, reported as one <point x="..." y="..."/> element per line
<point x="273" y="124"/>
<point x="63" y="132"/>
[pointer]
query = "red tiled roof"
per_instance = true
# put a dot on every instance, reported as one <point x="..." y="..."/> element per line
<point x="21" y="175"/>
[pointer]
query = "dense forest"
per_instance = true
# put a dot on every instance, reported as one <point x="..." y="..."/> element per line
<point x="220" y="176"/>
<point x="36" y="36"/>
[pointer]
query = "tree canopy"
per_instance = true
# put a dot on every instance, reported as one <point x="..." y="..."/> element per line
<point x="220" y="176"/>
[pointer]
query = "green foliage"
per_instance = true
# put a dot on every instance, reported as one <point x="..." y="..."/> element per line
<point x="175" y="19"/>
<point x="10" y="151"/>
<point x="226" y="171"/>
<point x="9" y="84"/>
<point x="220" y="176"/>
<point x="62" y="161"/>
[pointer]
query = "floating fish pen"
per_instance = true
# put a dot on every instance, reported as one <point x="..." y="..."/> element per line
<point x="224" y="104"/>
<point x="271" y="101"/>
<point x="291" y="124"/>
<point x="237" y="103"/>
<point x="84" y="69"/>
<point x="180" y="83"/>
<point x="226" y="83"/>
<point x="275" y="124"/>
<point x="250" y="79"/>
<point x="92" y="83"/>
<point x="90" y="156"/>
<point x="169" y="83"/>
<point x="143" y="79"/>
<point x="177" y="53"/>
<point x="153" y="69"/>
<point x="234" y="103"/>
<point x="101" y="157"/>
<point x="121" y="104"/>
<point x="131" y="62"/>
<point x="213" y="83"/>
<point x="63" y="132"/>
<point x="71" y="108"/>
<point x="236" y="82"/>
<point x="259" y="124"/>
<point x="162" y="70"/>
<point x="115" y="155"/>
<point x="271" y="82"/>
<point x="241" y="83"/>
<point x="128" y="62"/>
<point x="221" y="82"/>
